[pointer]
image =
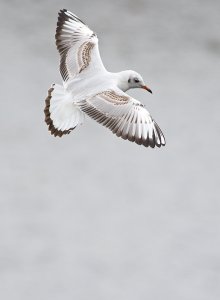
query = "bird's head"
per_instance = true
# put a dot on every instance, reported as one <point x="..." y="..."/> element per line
<point x="131" y="80"/>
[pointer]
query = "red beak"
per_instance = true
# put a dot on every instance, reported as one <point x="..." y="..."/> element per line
<point x="146" y="88"/>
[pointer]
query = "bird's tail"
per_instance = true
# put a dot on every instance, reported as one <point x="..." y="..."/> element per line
<point x="61" y="114"/>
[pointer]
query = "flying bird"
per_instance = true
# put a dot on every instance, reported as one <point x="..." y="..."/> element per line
<point x="89" y="89"/>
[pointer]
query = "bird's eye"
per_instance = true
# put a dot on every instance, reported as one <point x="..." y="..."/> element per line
<point x="136" y="80"/>
<point x="129" y="80"/>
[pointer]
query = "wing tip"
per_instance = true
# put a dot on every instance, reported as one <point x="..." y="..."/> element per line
<point x="156" y="140"/>
<point x="67" y="24"/>
<point x="64" y="15"/>
<point x="160" y="134"/>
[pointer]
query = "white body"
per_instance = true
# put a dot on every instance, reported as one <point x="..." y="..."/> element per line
<point x="88" y="88"/>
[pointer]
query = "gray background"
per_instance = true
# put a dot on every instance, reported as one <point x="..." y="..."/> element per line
<point x="91" y="216"/>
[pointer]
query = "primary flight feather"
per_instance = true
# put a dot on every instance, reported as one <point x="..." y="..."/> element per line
<point x="88" y="88"/>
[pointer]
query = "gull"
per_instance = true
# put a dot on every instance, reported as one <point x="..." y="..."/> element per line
<point x="89" y="89"/>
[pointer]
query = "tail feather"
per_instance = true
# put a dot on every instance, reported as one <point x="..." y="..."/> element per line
<point x="61" y="114"/>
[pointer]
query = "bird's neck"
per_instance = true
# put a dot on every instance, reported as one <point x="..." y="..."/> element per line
<point x="122" y="80"/>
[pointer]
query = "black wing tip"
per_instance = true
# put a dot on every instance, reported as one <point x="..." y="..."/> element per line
<point x="148" y="143"/>
<point x="65" y="14"/>
<point x="62" y="11"/>
<point x="157" y="139"/>
<point x="160" y="134"/>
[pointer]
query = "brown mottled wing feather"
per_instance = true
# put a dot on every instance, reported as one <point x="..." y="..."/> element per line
<point x="125" y="117"/>
<point x="77" y="45"/>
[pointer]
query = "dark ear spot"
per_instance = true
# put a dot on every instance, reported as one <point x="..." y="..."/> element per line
<point x="129" y="80"/>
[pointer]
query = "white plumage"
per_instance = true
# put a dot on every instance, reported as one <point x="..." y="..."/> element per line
<point x="88" y="88"/>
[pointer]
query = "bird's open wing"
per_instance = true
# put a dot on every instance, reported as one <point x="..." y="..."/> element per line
<point x="124" y="116"/>
<point x="77" y="45"/>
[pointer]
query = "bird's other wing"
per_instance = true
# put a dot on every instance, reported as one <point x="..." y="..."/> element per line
<point x="124" y="116"/>
<point x="77" y="45"/>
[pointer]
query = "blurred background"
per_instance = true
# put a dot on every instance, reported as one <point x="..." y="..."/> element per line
<point x="91" y="216"/>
